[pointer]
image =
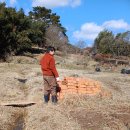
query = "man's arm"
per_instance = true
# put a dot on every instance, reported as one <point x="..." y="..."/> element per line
<point x="53" y="68"/>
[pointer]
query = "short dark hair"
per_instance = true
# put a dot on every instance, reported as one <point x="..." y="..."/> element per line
<point x="50" y="48"/>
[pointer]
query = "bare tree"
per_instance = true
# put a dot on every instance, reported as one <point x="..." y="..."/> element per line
<point x="54" y="36"/>
<point x="80" y="44"/>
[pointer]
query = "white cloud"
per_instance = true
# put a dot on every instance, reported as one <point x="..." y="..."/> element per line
<point x="75" y="3"/>
<point x="2" y="1"/>
<point x="12" y="2"/>
<point x="56" y="3"/>
<point x="116" y="24"/>
<point x="89" y="31"/>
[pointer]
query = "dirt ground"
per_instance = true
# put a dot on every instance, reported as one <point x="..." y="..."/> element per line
<point x="23" y="82"/>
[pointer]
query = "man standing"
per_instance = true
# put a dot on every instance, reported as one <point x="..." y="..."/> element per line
<point x="50" y="75"/>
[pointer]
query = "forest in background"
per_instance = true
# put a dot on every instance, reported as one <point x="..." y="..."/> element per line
<point x="19" y="32"/>
<point x="41" y="28"/>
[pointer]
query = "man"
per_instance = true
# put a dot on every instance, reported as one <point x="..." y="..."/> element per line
<point x="50" y="75"/>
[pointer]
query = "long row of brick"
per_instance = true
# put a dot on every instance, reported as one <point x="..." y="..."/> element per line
<point x="75" y="85"/>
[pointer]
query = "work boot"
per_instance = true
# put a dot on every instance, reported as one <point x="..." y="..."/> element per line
<point x="46" y="98"/>
<point x="54" y="99"/>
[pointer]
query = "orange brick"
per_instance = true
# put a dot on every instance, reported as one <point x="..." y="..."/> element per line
<point x="91" y="83"/>
<point x="82" y="92"/>
<point x="82" y="86"/>
<point x="84" y="89"/>
<point x="78" y="79"/>
<point x="91" y="86"/>
<point x="89" y="92"/>
<point x="70" y="84"/>
<point x="72" y="81"/>
<point x="95" y="89"/>
<point x="74" y="85"/>
<point x="86" y="83"/>
<point x="88" y="89"/>
<point x="81" y="89"/>
<point x="97" y="86"/>
<point x="64" y="87"/>
<point x="64" y="82"/>
<point x="72" y="88"/>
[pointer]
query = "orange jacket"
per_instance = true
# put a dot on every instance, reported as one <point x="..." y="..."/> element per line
<point x="48" y="65"/>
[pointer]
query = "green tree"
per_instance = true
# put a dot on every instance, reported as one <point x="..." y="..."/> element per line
<point x="103" y="42"/>
<point x="19" y="32"/>
<point x="121" y="45"/>
<point x="126" y="37"/>
<point x="42" y="20"/>
<point x="14" y="31"/>
<point x="118" y="46"/>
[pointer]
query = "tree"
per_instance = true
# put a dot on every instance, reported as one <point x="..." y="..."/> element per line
<point x="106" y="43"/>
<point x="126" y="37"/>
<point x="19" y="32"/>
<point x="103" y="42"/>
<point x="54" y="36"/>
<point x="121" y="45"/>
<point x="81" y="44"/>
<point x="14" y="31"/>
<point x="42" y="20"/>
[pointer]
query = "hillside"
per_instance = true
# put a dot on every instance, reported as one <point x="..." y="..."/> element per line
<point x="21" y="80"/>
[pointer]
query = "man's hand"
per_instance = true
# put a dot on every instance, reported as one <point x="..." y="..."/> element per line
<point x="57" y="79"/>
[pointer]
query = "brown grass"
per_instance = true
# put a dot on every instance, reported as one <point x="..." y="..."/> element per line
<point x="8" y="116"/>
<point x="74" y="112"/>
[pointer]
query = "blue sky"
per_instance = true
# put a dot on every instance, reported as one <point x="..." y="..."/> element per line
<point x="84" y="19"/>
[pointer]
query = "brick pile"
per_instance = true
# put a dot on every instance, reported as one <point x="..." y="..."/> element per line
<point x="75" y="85"/>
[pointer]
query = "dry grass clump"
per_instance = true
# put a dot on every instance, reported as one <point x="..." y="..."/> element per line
<point x="18" y="81"/>
<point x="10" y="87"/>
<point x="75" y="101"/>
<point x="74" y="111"/>
<point x="49" y="117"/>
<point x="95" y="113"/>
<point x="24" y="60"/>
<point x="8" y="116"/>
<point x="72" y="61"/>
<point x="34" y="85"/>
<point x="84" y="101"/>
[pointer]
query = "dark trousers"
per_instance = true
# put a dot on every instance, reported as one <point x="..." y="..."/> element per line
<point x="50" y="87"/>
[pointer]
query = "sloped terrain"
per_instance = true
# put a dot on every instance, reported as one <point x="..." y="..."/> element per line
<point x="24" y="82"/>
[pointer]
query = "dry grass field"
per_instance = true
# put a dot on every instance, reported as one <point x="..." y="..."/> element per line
<point x="23" y="82"/>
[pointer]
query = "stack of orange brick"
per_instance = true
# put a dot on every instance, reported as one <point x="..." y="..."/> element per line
<point x="72" y="85"/>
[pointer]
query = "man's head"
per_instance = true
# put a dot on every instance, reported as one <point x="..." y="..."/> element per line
<point x="51" y="50"/>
